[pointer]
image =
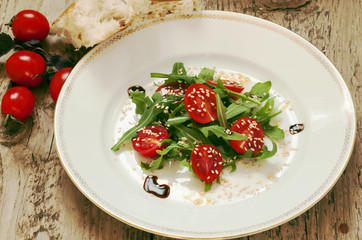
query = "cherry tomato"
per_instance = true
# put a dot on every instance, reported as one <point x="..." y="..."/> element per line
<point x="57" y="82"/>
<point x="19" y="102"/>
<point x="200" y="103"/>
<point x="25" y="68"/>
<point x="206" y="161"/>
<point x="149" y="139"/>
<point x="173" y="88"/>
<point x="231" y="85"/>
<point x="252" y="129"/>
<point x="30" y="25"/>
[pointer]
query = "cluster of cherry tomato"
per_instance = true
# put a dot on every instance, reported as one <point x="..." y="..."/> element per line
<point x="200" y="104"/>
<point x="26" y="69"/>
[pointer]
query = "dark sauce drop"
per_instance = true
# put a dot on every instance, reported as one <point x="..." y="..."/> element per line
<point x="296" y="128"/>
<point x="135" y="88"/>
<point x="151" y="186"/>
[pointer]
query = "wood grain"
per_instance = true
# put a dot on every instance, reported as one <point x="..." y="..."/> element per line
<point x="39" y="201"/>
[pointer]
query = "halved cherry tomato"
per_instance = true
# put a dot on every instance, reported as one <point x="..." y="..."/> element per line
<point x="30" y="25"/>
<point x="252" y="129"/>
<point x="229" y="84"/>
<point x="200" y="103"/>
<point x="206" y="161"/>
<point x="19" y="102"/>
<point x="173" y="88"/>
<point x="25" y="68"/>
<point x="149" y="139"/>
<point x="57" y="82"/>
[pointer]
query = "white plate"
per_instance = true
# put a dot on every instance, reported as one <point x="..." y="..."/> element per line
<point x="257" y="196"/>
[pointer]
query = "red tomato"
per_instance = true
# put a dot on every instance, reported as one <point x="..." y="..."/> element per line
<point x="25" y="68"/>
<point x="200" y="103"/>
<point x="30" y="25"/>
<point x="173" y="88"/>
<point x="252" y="129"/>
<point x="206" y="161"/>
<point x="231" y="85"/>
<point x="149" y="139"/>
<point x="57" y="82"/>
<point x="18" y="102"/>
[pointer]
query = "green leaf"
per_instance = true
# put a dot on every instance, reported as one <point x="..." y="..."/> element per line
<point x="185" y="163"/>
<point x="238" y="108"/>
<point x="232" y="93"/>
<point x="178" y="68"/>
<point x="222" y="132"/>
<point x="205" y="74"/>
<point x="177" y="109"/>
<point x="220" y="92"/>
<point x="260" y="91"/>
<point x="139" y="98"/>
<point x="178" y="120"/>
<point x="6" y="43"/>
<point x="145" y="166"/>
<point x="156" y="164"/>
<point x="221" y="116"/>
<point x="148" y="116"/>
<point x="175" y="77"/>
<point x="273" y="132"/>
<point x="156" y="97"/>
<point x="192" y="134"/>
<point x="265" y="153"/>
<point x="233" y="166"/>
<point x="165" y="151"/>
<point x="266" y="110"/>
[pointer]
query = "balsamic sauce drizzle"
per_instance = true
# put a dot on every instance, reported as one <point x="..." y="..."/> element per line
<point x="151" y="186"/>
<point x="296" y="128"/>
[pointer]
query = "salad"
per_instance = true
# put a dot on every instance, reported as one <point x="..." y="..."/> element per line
<point x="203" y="123"/>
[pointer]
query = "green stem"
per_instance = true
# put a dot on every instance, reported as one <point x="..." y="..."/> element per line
<point x="9" y="118"/>
<point x="270" y="116"/>
<point x="6" y="120"/>
<point x="176" y="110"/>
<point x="242" y="96"/>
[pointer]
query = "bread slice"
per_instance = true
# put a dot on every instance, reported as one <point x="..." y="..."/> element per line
<point x="89" y="22"/>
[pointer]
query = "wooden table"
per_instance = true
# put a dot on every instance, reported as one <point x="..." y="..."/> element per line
<point x="39" y="201"/>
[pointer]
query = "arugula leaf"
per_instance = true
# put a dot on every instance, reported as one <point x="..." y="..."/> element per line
<point x="260" y="91"/>
<point x="178" y="120"/>
<point x="232" y="93"/>
<point x="187" y="164"/>
<point x="178" y="68"/>
<point x="219" y="91"/>
<point x="205" y="74"/>
<point x="266" y="110"/>
<point x="239" y="107"/>
<point x="273" y="132"/>
<point x="175" y="77"/>
<point x="221" y="116"/>
<point x="165" y="151"/>
<point x="192" y="134"/>
<point x="232" y="160"/>
<point x="265" y="153"/>
<point x="148" y="116"/>
<point x="177" y="109"/>
<point x="222" y="132"/>
<point x="156" y="164"/>
<point x="156" y="97"/>
<point x="139" y="98"/>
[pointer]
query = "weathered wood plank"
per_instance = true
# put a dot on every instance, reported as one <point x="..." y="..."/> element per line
<point x="39" y="201"/>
